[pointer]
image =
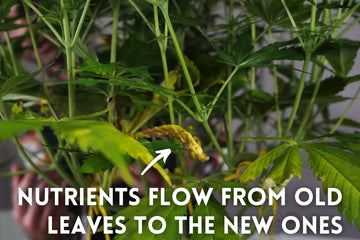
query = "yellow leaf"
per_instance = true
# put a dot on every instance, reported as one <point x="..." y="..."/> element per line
<point x="178" y="132"/>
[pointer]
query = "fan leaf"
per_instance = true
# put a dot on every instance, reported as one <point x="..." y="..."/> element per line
<point x="341" y="170"/>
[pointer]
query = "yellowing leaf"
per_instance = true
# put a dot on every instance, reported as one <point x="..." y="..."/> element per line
<point x="177" y="132"/>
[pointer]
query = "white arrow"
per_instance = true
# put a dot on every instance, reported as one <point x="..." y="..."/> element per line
<point x="164" y="153"/>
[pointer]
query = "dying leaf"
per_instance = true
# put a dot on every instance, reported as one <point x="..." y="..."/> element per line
<point x="177" y="132"/>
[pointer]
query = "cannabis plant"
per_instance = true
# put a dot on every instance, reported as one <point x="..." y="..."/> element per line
<point x="133" y="77"/>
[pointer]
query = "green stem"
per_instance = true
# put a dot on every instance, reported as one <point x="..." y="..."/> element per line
<point x="309" y="109"/>
<point x="252" y="87"/>
<point x="43" y="18"/>
<point x="81" y="22"/>
<point x="11" y="52"/>
<point x="35" y="47"/>
<point x="162" y="42"/>
<point x="276" y="93"/>
<point x="114" y="35"/>
<point x="186" y="108"/>
<point x="348" y="13"/>
<point x="203" y="118"/>
<point x="69" y="62"/>
<point x="216" y="143"/>
<point x="38" y="60"/>
<point x="313" y="17"/>
<point x="348" y="27"/>
<point x="293" y="24"/>
<point x="182" y="62"/>
<point x="299" y="93"/>
<point x="230" y="143"/>
<point x="92" y="19"/>
<point x="150" y="25"/>
<point x="114" y="38"/>
<point x="32" y="164"/>
<point x="340" y="9"/>
<point x="347" y="110"/>
<point x="227" y="81"/>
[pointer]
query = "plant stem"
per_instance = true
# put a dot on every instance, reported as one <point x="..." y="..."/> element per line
<point x="81" y="22"/>
<point x="347" y="110"/>
<point x="227" y="81"/>
<point x="50" y="26"/>
<point x="38" y="60"/>
<point x="69" y="62"/>
<point x="216" y="143"/>
<point x="11" y="52"/>
<point x="252" y="87"/>
<point x="230" y="143"/>
<point x="162" y="42"/>
<point x="35" y="47"/>
<point x="203" y="118"/>
<point x="150" y="25"/>
<point x="313" y="16"/>
<point x="309" y="109"/>
<point x="92" y="19"/>
<point x="293" y="24"/>
<point x="186" y="108"/>
<point x="182" y="62"/>
<point x="299" y="92"/>
<point x="113" y="53"/>
<point x="32" y="164"/>
<point x="348" y="27"/>
<point x="276" y="93"/>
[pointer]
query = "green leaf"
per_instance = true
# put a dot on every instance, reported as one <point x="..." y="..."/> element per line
<point x="143" y="209"/>
<point x="341" y="170"/>
<point x="83" y="51"/>
<point x="273" y="12"/>
<point x="227" y="57"/>
<point x="213" y="208"/>
<point x="12" y="128"/>
<point x="343" y="145"/>
<point x="19" y="83"/>
<point x="328" y="87"/>
<point x="262" y="162"/>
<point x="275" y="51"/>
<point x="105" y="138"/>
<point x="218" y="185"/>
<point x="341" y="55"/>
<point x="108" y="70"/>
<point x="17" y="113"/>
<point x="95" y="163"/>
<point x="288" y="164"/>
<point x="241" y="48"/>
